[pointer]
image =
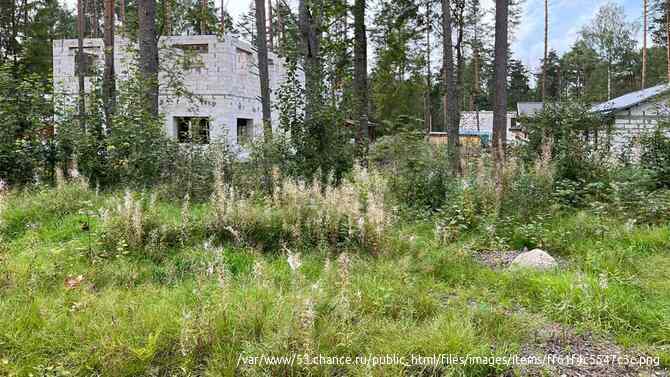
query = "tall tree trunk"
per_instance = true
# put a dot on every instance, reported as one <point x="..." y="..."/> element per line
<point x="476" y="75"/>
<point x="148" y="54"/>
<point x="500" y="95"/>
<point x="11" y="39"/>
<point x="667" y="35"/>
<point x="95" y="19"/>
<point x="270" y="28"/>
<point x="644" y="44"/>
<point x="203" y="16"/>
<point x="559" y="89"/>
<point x="280" y="23"/>
<point x="428" y="113"/>
<point x="223" y="17"/>
<point x="450" y="100"/>
<point x="264" y="75"/>
<point x="122" y="12"/>
<point x="361" y="73"/>
<point x="460" y="60"/>
<point x="167" y="17"/>
<point x="81" y="69"/>
<point x="609" y="81"/>
<point x="263" y="71"/>
<point x="546" y="50"/>
<point x="309" y="25"/>
<point x="311" y="51"/>
<point x="109" y="81"/>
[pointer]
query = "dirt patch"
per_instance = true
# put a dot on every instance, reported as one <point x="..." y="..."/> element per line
<point x="496" y="259"/>
<point x="501" y="259"/>
<point x="564" y="352"/>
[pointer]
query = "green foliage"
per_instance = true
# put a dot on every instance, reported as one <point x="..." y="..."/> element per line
<point x="519" y="85"/>
<point x="186" y="18"/>
<point x="65" y="297"/>
<point x="28" y="29"/>
<point x="418" y="172"/>
<point x="397" y="82"/>
<point x="569" y="132"/>
<point x="316" y="148"/>
<point x="25" y="150"/>
<point x="656" y="154"/>
<point x="135" y="152"/>
<point x="496" y="218"/>
<point x="31" y="209"/>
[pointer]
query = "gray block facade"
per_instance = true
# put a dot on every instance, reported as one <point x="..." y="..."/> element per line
<point x="221" y="71"/>
<point x="631" y="124"/>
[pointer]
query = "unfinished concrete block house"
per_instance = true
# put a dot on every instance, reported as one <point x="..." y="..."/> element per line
<point x="221" y="71"/>
<point x="628" y="118"/>
<point x="634" y="114"/>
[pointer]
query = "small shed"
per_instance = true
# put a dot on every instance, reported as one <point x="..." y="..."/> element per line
<point x="476" y="128"/>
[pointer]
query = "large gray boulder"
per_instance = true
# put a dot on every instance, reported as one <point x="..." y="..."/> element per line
<point x="536" y="259"/>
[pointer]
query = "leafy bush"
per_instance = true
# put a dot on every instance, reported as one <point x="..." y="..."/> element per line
<point x="135" y="152"/>
<point x="417" y="171"/>
<point x="571" y="137"/>
<point x="656" y="154"/>
<point x="25" y="151"/>
<point x="475" y="206"/>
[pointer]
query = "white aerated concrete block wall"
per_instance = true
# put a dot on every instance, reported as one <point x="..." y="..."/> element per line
<point x="630" y="125"/>
<point x="227" y="80"/>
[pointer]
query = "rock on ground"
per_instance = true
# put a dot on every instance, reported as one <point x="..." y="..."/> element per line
<point x="536" y="258"/>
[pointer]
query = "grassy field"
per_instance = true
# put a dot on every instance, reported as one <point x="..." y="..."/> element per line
<point x="84" y="292"/>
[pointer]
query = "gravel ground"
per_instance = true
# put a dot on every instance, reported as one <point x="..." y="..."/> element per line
<point x="496" y="259"/>
<point x="598" y="356"/>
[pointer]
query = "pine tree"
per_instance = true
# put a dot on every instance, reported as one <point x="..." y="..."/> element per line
<point x="644" y="43"/>
<point x="361" y="74"/>
<point x="546" y="50"/>
<point x="81" y="71"/>
<point x="452" y="121"/>
<point x="500" y="96"/>
<point x="109" y="82"/>
<point x="148" y="53"/>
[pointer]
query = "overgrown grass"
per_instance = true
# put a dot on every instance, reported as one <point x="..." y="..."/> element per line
<point x="120" y="284"/>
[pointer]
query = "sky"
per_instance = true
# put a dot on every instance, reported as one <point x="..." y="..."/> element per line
<point x="566" y="19"/>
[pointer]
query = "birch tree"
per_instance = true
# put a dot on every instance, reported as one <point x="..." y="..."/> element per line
<point x="611" y="36"/>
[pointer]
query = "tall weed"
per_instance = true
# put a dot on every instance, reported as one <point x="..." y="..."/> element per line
<point x="300" y="214"/>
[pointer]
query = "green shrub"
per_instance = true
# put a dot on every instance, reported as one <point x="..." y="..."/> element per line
<point x="26" y="152"/>
<point x="656" y="154"/>
<point x="474" y="206"/>
<point x="571" y="136"/>
<point x="417" y="171"/>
